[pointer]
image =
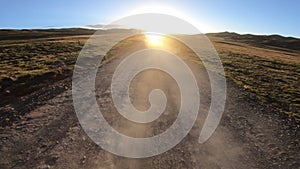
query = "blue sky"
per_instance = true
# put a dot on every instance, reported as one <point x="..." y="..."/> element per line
<point x="253" y="16"/>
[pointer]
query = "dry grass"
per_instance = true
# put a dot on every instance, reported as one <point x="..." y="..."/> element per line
<point x="18" y="60"/>
<point x="24" y="66"/>
<point x="272" y="74"/>
<point x="242" y="48"/>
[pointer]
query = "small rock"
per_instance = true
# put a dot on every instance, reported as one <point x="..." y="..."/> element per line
<point x="44" y="166"/>
<point x="83" y="159"/>
<point x="13" y="78"/>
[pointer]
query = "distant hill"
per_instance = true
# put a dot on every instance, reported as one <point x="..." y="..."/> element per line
<point x="12" y="34"/>
<point x="261" y="40"/>
<point x="265" y="41"/>
<point x="99" y="26"/>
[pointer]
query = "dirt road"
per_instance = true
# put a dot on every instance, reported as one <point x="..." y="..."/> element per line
<point x="250" y="135"/>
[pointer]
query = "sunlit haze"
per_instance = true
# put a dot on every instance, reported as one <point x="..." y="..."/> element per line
<point x="154" y="39"/>
<point x="256" y="17"/>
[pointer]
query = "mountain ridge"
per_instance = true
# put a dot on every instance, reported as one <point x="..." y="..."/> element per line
<point x="261" y="40"/>
<point x="277" y="41"/>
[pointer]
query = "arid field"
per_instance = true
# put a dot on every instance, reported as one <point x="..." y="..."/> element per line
<point x="39" y="129"/>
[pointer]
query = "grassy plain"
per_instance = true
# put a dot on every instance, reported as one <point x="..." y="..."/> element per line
<point x="270" y="70"/>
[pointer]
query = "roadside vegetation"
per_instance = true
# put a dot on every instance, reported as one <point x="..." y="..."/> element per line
<point x="275" y="82"/>
<point x="27" y="64"/>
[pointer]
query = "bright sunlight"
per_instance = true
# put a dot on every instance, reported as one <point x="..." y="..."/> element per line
<point x="154" y="39"/>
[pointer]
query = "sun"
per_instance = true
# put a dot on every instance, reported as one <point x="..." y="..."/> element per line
<point x="154" y="39"/>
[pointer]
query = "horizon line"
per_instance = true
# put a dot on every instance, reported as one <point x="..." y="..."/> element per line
<point x="95" y="28"/>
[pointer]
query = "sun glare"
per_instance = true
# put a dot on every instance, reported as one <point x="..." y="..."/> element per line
<point x="154" y="39"/>
<point x="161" y="8"/>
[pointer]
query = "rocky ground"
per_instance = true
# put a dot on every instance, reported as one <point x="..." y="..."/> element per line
<point x="48" y="135"/>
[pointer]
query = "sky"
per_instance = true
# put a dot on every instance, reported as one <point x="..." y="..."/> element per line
<point x="253" y="16"/>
